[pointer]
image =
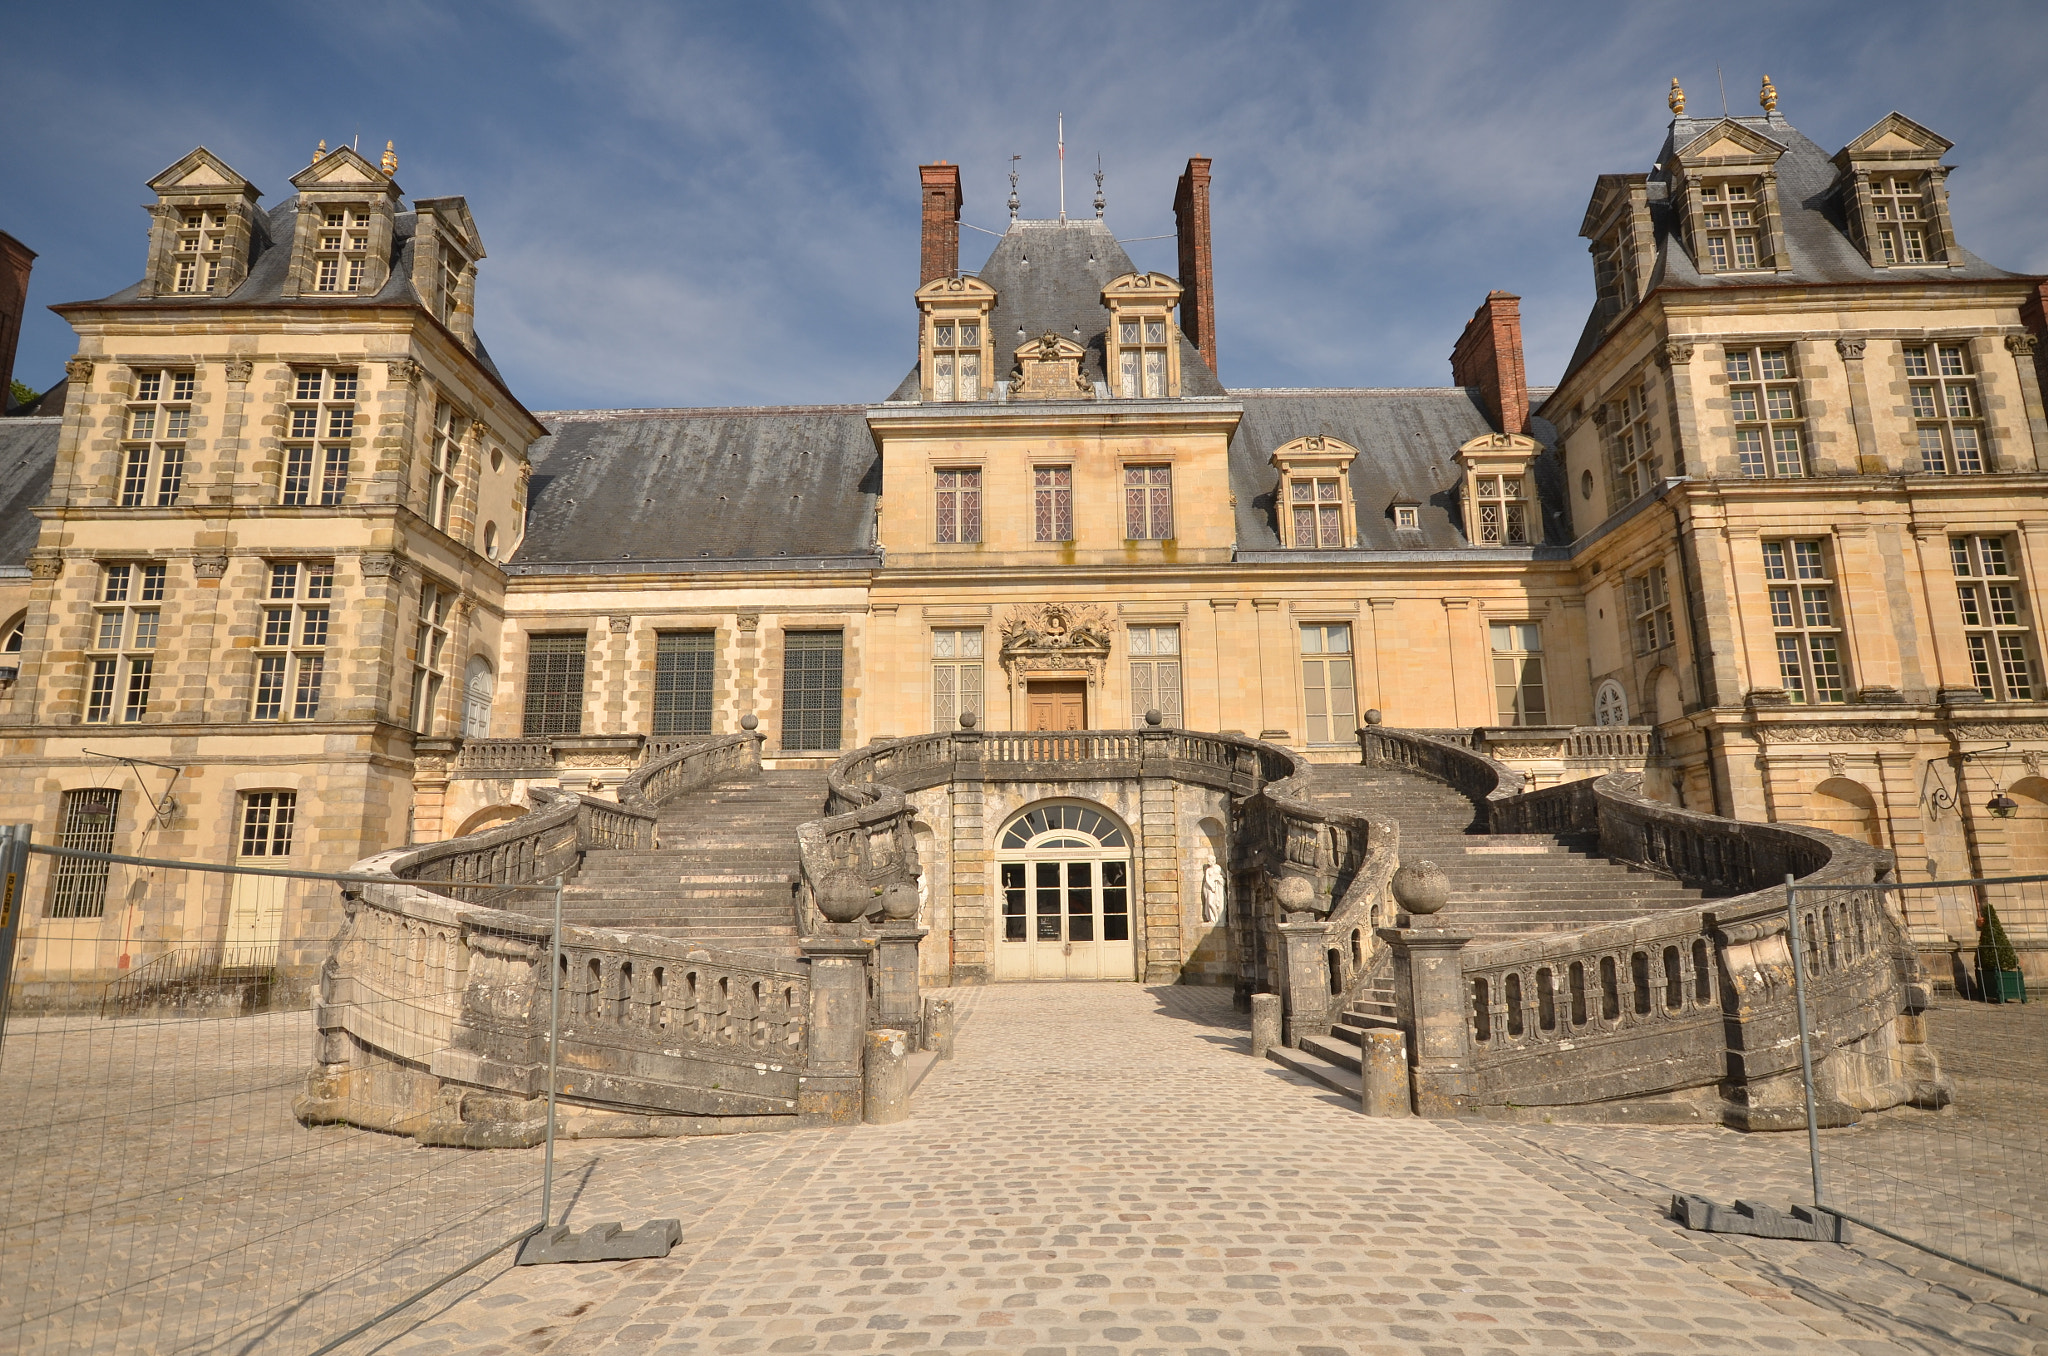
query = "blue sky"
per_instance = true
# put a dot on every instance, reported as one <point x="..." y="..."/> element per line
<point x="700" y="205"/>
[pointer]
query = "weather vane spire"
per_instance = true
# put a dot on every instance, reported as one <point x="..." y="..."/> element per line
<point x="1063" y="169"/>
<point x="1013" y="186"/>
<point x="1099" y="201"/>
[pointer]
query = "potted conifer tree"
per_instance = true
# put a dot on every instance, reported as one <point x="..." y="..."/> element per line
<point x="1998" y="965"/>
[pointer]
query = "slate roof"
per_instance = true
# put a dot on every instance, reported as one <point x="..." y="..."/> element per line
<point x="1811" y="213"/>
<point x="28" y="455"/>
<point x="1049" y="275"/>
<point x="270" y="257"/>
<point x="1405" y="440"/>
<point x="697" y="489"/>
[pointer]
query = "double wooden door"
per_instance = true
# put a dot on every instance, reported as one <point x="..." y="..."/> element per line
<point x="1057" y="705"/>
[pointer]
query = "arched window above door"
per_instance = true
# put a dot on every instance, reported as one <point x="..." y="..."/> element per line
<point x="1061" y="825"/>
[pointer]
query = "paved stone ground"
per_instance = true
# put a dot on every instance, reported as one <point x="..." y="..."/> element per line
<point x="1103" y="1171"/>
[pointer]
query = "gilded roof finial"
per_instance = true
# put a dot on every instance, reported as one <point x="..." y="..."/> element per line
<point x="1677" y="99"/>
<point x="320" y="151"/>
<point x="1769" y="96"/>
<point x="390" y="162"/>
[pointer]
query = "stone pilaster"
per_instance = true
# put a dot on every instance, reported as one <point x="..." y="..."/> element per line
<point x="1429" y="987"/>
<point x="973" y="921"/>
<point x="1159" y="832"/>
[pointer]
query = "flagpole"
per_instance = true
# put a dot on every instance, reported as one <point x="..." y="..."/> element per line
<point x="1063" y="168"/>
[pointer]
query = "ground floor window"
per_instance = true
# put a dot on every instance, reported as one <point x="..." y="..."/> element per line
<point x="1155" y="674"/>
<point x="956" y="677"/>
<point x="813" y="669"/>
<point x="1518" y="673"/>
<point x="684" y="665"/>
<point x="1329" y="699"/>
<point x="554" y="685"/>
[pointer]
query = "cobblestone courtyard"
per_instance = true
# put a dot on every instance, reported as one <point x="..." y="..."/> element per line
<point x="1103" y="1170"/>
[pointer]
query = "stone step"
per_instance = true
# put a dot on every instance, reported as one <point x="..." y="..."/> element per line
<point x="1335" y="1050"/>
<point x="1332" y="1076"/>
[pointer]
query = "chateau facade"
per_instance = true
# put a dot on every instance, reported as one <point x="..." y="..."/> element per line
<point x="295" y="549"/>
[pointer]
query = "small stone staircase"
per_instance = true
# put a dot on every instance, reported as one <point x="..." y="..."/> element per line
<point x="1503" y="885"/>
<point x="725" y="872"/>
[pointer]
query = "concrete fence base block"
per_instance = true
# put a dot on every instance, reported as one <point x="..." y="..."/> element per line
<point x="601" y="1243"/>
<point x="1383" y="1074"/>
<point x="1265" y="1023"/>
<point x="887" y="1066"/>
<point x="1759" y="1221"/>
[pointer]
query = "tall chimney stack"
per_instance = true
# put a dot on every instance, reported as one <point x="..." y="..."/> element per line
<point x="15" y="261"/>
<point x="1489" y="355"/>
<point x="939" y="255"/>
<point x="1197" y="274"/>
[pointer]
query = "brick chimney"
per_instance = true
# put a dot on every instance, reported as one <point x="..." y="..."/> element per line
<point x="939" y="254"/>
<point x="1197" y="273"/>
<point x="15" y="261"/>
<point x="1489" y="355"/>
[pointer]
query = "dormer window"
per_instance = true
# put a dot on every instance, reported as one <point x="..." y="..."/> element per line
<point x="1892" y="195"/>
<point x="1901" y="229"/>
<point x="201" y="237"/>
<point x="1141" y="358"/>
<point x="956" y="353"/>
<point x="956" y="360"/>
<point x="341" y="253"/>
<point x="1503" y="511"/>
<point x="1407" y="518"/>
<point x="1314" y="493"/>
<point x="452" y="265"/>
<point x="1141" y="346"/>
<point x="1499" y="485"/>
<point x="1730" y="221"/>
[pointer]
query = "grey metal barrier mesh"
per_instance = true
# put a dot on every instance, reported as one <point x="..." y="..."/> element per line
<point x="1968" y="1180"/>
<point x="162" y="1188"/>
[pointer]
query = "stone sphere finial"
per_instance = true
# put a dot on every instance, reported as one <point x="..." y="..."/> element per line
<point x="750" y="722"/>
<point x="1373" y="717"/>
<point x="1421" y="888"/>
<point x="1152" y="716"/>
<point x="968" y="720"/>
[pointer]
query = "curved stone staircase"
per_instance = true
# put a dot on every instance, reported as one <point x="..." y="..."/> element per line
<point x="1502" y="885"/>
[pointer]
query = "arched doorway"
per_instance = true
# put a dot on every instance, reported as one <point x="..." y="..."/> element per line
<point x="1065" y="868"/>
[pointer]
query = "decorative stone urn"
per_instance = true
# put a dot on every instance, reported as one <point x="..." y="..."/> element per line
<point x="1421" y="888"/>
<point x="1296" y="895"/>
<point x="899" y="899"/>
<point x="844" y="897"/>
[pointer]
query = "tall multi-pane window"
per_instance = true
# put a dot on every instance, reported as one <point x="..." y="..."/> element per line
<point x="1902" y="224"/>
<point x="813" y="668"/>
<point x="1649" y="607"/>
<point x="1148" y="503"/>
<point x="1633" y="449"/>
<point x="554" y="685"/>
<point x="959" y="504"/>
<point x="291" y="654"/>
<point x="1763" y="401"/>
<point x="1155" y="674"/>
<point x="78" y="889"/>
<point x="1329" y="700"/>
<point x="956" y="360"/>
<point x="1518" y="691"/>
<point x="429" y="655"/>
<point x="121" y="651"/>
<point x="1947" y="415"/>
<point x="202" y="236"/>
<point x="1731" y="222"/>
<point x="1503" y="510"/>
<point x="321" y="422"/>
<point x="1315" y="508"/>
<point x="159" y="419"/>
<point x="443" y="469"/>
<point x="341" y="251"/>
<point x="1995" y="625"/>
<point x="1805" y="619"/>
<point x="268" y="818"/>
<point x="1052" y="490"/>
<point x="685" y="665"/>
<point x="1141" y="357"/>
<point x="956" y="676"/>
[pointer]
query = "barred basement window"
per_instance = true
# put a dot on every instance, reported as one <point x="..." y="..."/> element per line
<point x="684" y="666"/>
<point x="554" y="685"/>
<point x="813" y="664"/>
<point x="956" y="360"/>
<point x="1141" y="357"/>
<point x="322" y="423"/>
<point x="78" y="889"/>
<point x="201" y="238"/>
<point x="446" y="456"/>
<point x="1155" y="674"/>
<point x="1902" y="235"/>
<point x="1518" y="687"/>
<point x="1148" y="503"/>
<point x="121" y="651"/>
<point x="1942" y="387"/>
<point x="1995" y="623"/>
<point x="429" y="656"/>
<point x="1503" y="512"/>
<point x="959" y="506"/>
<point x="1763" y="400"/>
<point x="341" y="250"/>
<point x="956" y="677"/>
<point x="1808" y="627"/>
<point x="291" y="654"/>
<point x="159" y="419"/>
<point x="1632" y="446"/>
<point x="1053" y="506"/>
<point x="1649" y="605"/>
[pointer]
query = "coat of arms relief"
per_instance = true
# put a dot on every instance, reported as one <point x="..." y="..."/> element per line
<point x="1056" y="637"/>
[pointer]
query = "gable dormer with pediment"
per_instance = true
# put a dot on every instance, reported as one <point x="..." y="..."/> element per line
<point x="201" y="226"/>
<point x="445" y="252"/>
<point x="1894" y="193"/>
<point x="1621" y="240"/>
<point x="342" y="237"/>
<point x="1499" y="491"/>
<point x="1141" y="350"/>
<point x="1049" y="368"/>
<point x="1725" y="187"/>
<point x="1313" y="501"/>
<point x="955" y="350"/>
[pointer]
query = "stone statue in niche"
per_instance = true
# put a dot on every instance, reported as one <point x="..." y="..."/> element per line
<point x="1213" y="903"/>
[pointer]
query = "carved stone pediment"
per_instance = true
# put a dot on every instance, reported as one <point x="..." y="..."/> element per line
<point x="1049" y="368"/>
<point x="1056" y="636"/>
